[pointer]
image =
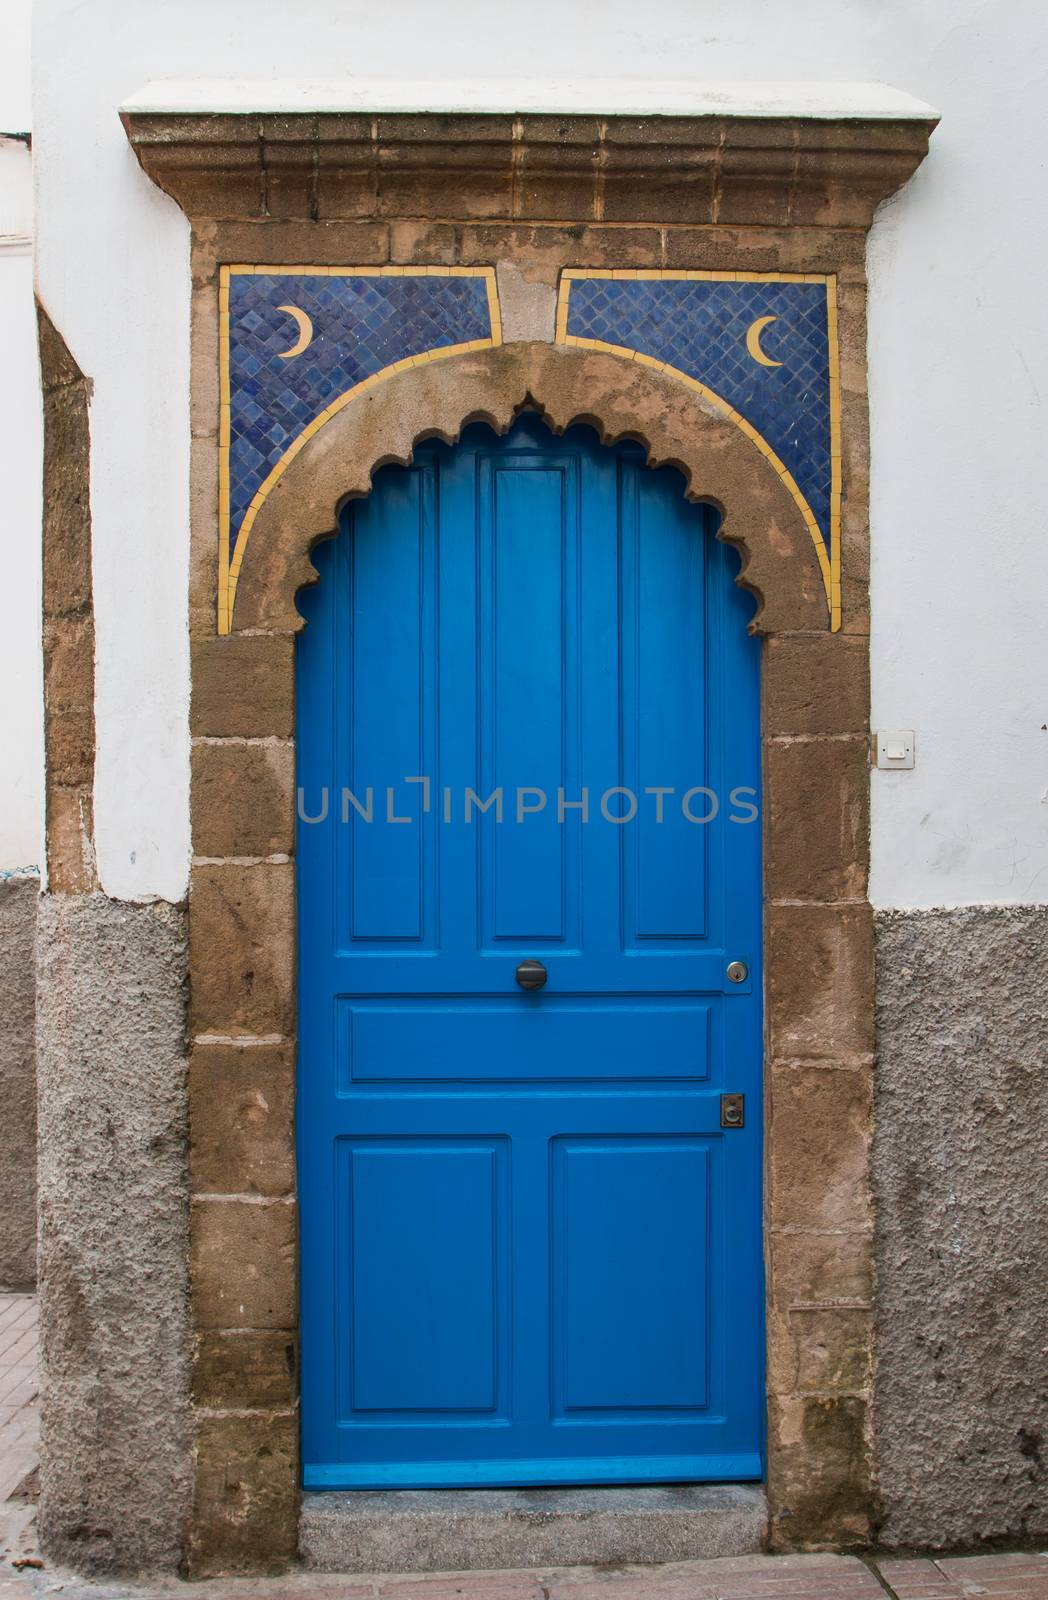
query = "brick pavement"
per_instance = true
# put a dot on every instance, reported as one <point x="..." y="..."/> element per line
<point x="802" y="1577"/>
<point x="19" y="1422"/>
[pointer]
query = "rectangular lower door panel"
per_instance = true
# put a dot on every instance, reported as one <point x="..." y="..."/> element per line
<point x="630" y="1248"/>
<point x="421" y="1256"/>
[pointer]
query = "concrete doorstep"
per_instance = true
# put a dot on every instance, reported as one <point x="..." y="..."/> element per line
<point x="449" y="1530"/>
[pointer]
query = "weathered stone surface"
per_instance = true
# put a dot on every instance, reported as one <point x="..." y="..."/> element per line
<point x="243" y="799"/>
<point x="242" y="1119"/>
<point x="18" y="905"/>
<point x="961" y="1185"/>
<point x="528" y="302"/>
<point x="67" y="508"/>
<point x="817" y="814"/>
<point x="809" y="1267"/>
<point x="245" y="1507"/>
<point x="242" y="948"/>
<point x="300" y="243"/>
<point x="830" y="1349"/>
<point x="70" y="840"/>
<point x="816" y="683"/>
<point x="70" y="748"/>
<point x="114" y="1235"/>
<point x="243" y="1263"/>
<point x="68" y="639"/>
<point x="819" y="982"/>
<point x="244" y="1369"/>
<point x="69" y="662"/>
<point x="430" y="243"/>
<point x="819" y="1472"/>
<point x="243" y="686"/>
<point x="575" y="169"/>
<point x="434" y="1530"/>
<point x="750" y="249"/>
<point x="554" y="247"/>
<point x="819" y="1131"/>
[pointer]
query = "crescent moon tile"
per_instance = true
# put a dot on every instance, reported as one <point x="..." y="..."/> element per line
<point x="699" y="325"/>
<point x="361" y="324"/>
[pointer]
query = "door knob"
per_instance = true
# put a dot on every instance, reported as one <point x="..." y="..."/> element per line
<point x="531" y="974"/>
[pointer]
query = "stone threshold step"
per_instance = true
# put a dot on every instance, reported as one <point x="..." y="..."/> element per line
<point x="457" y="1530"/>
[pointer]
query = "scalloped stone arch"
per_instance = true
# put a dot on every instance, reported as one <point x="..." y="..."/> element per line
<point x="616" y="396"/>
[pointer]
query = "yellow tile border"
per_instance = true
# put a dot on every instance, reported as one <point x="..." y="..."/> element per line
<point x="829" y="564"/>
<point x="231" y="563"/>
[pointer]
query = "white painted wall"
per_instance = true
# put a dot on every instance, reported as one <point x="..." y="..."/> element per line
<point x="21" y="703"/>
<point x="959" y="355"/>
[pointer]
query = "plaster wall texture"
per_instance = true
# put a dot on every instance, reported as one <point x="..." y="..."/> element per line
<point x="21" y="696"/>
<point x="955" y="372"/>
<point x="961" y="1196"/>
<point x="15" y="78"/>
<point x="114" y="1233"/>
<point x="18" y="903"/>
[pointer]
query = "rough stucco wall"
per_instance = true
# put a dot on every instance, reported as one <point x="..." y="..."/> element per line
<point x="114" y="1237"/>
<point x="961" y="1185"/>
<point x="18" y="903"/>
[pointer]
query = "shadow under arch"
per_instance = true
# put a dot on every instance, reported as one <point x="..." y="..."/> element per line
<point x="620" y="399"/>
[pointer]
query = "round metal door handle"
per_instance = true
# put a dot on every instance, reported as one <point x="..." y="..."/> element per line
<point x="531" y="974"/>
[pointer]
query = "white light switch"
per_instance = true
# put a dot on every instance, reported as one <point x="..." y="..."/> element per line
<point x="895" y="750"/>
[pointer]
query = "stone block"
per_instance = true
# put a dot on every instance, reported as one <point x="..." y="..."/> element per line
<point x="245" y="1506"/>
<point x="819" y="981"/>
<point x="819" y="1132"/>
<point x="245" y="1369"/>
<point x="819" y="1472"/>
<point x="816" y="683"/>
<point x="820" y="1266"/>
<point x="243" y="799"/>
<point x="242" y="949"/>
<point x="241" y="1100"/>
<point x="817" y="817"/>
<point x="243" y="1257"/>
<point x="243" y="685"/>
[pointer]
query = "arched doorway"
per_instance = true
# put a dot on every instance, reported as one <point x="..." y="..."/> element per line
<point x="529" y="753"/>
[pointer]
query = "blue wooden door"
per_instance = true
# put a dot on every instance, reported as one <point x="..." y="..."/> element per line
<point x="530" y="1251"/>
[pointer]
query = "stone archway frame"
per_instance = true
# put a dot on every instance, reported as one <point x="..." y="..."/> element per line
<point x="818" y="955"/>
<point x="615" y="395"/>
<point x="532" y="196"/>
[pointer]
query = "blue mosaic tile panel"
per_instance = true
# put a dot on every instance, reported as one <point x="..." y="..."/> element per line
<point x="358" y="325"/>
<point x="700" y="326"/>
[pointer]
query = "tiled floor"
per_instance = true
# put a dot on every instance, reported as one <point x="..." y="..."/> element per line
<point x="19" y="1421"/>
<point x="19" y="1424"/>
<point x="818" y="1577"/>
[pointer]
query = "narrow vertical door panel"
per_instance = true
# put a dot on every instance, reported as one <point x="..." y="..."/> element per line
<point x="629" y="1306"/>
<point x="530" y="1252"/>
<point x="663" y="708"/>
<point x="420" y="1273"/>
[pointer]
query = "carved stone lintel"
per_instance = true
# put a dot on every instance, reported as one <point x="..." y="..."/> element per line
<point x="767" y="171"/>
